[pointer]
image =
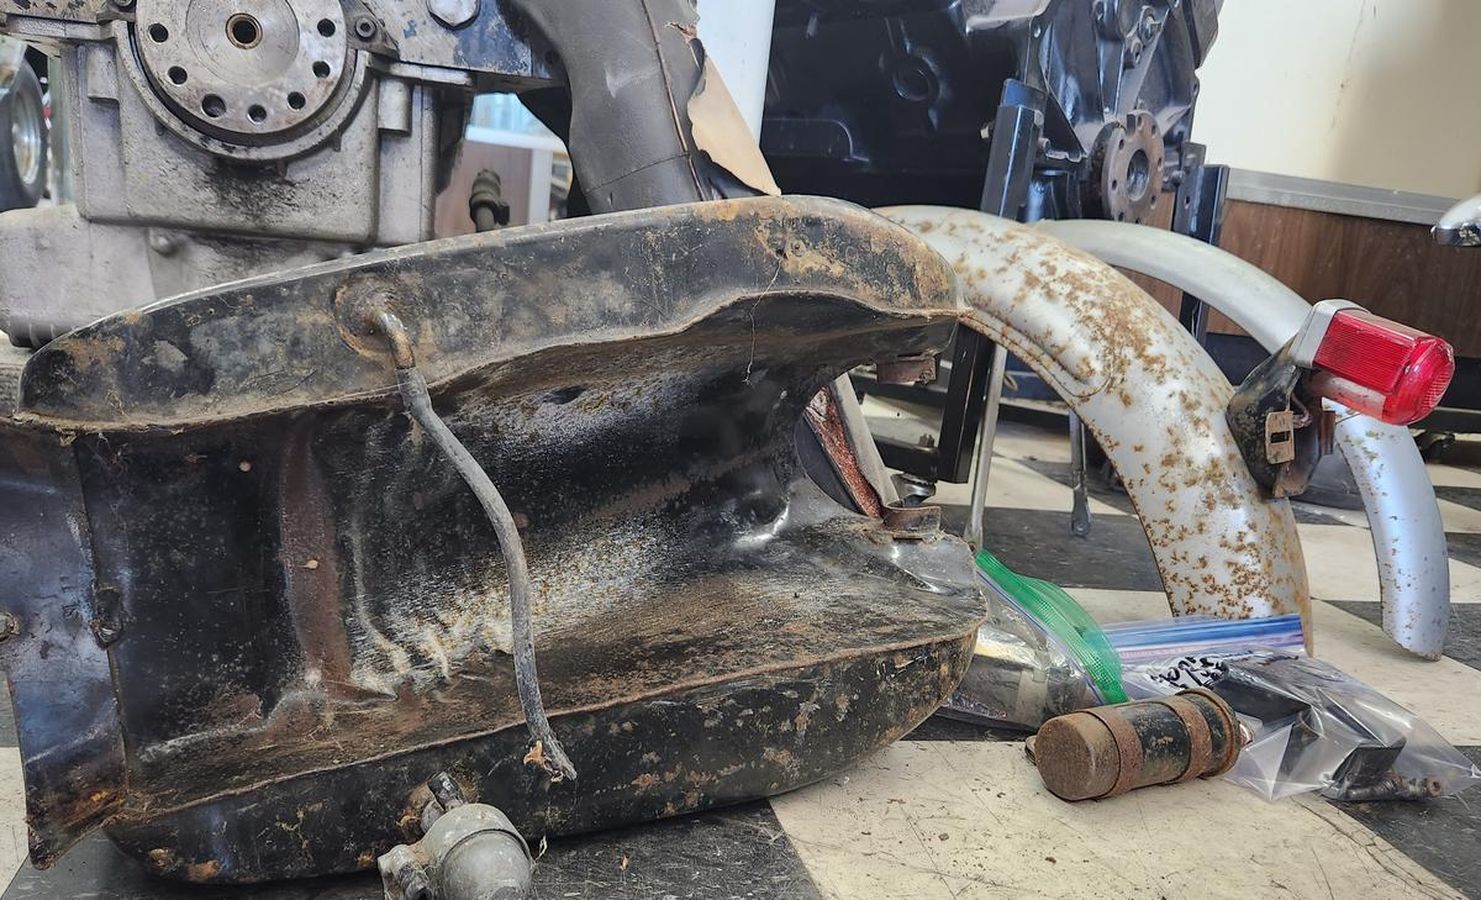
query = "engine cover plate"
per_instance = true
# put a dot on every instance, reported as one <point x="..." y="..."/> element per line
<point x="249" y="71"/>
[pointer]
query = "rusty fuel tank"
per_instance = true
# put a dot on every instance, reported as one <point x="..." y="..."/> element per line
<point x="255" y="606"/>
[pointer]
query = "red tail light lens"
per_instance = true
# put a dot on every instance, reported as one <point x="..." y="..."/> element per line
<point x="1381" y="368"/>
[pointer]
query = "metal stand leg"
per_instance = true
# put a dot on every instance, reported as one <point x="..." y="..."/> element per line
<point x="984" y="448"/>
<point x="1199" y="213"/>
<point x="1010" y="168"/>
<point x="860" y="439"/>
<point x="1080" y="511"/>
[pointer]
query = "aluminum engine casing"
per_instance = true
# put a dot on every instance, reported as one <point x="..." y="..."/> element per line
<point x="373" y="184"/>
<point x="334" y="126"/>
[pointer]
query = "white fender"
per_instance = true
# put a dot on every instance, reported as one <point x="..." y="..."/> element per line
<point x="1408" y="533"/>
<point x="1150" y="394"/>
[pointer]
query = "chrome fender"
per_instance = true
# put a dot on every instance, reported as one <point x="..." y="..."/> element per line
<point x="1150" y="394"/>
<point x="1403" y="517"/>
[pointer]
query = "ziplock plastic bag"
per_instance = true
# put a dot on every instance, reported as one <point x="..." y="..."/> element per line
<point x="1192" y="637"/>
<point x="1018" y="678"/>
<point x="1312" y="727"/>
<point x="1038" y="655"/>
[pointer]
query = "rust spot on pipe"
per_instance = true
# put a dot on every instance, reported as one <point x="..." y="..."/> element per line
<point x="308" y="561"/>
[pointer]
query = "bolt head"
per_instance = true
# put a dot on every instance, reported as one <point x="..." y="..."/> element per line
<point x="107" y="633"/>
<point x="453" y="13"/>
<point x="1150" y="25"/>
<point x="163" y="244"/>
<point x="1133" y="52"/>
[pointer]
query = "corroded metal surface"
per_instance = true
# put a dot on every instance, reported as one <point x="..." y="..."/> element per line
<point x="72" y="755"/>
<point x="309" y="613"/>
<point x="1109" y="750"/>
<point x="1403" y="517"/>
<point x="827" y="423"/>
<point x="268" y="345"/>
<point x="1153" y="398"/>
<point x="693" y="748"/>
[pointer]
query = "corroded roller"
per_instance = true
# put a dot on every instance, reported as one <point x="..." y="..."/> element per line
<point x="1097" y="753"/>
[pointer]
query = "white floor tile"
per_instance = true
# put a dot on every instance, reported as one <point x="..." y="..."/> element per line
<point x="1459" y="517"/>
<point x="1445" y="693"/>
<point x="13" y="845"/>
<point x="1453" y="476"/>
<point x="1110" y="607"/>
<point x="1013" y="485"/>
<point x="1340" y="565"/>
<point x="954" y="820"/>
<point x="1465" y="582"/>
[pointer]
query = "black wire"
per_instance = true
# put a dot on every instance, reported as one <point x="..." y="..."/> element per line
<point x="550" y="755"/>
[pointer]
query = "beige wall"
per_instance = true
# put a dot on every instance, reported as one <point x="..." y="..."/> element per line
<point x="1384" y="93"/>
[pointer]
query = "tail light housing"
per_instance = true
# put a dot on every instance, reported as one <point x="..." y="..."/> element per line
<point x="1373" y="365"/>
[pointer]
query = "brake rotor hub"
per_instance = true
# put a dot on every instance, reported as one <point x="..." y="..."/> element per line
<point x="1128" y="159"/>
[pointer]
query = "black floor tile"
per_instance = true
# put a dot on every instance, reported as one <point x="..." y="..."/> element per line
<point x="732" y="853"/>
<point x="1464" y="547"/>
<point x="1441" y="835"/>
<point x="944" y="728"/>
<point x="1095" y="483"/>
<point x="1098" y="488"/>
<point x="739" y="852"/>
<point x="1038" y="543"/>
<point x="1462" y="637"/>
<point x="1465" y="496"/>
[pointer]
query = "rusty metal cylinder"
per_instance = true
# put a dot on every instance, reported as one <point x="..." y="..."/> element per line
<point x="1097" y="753"/>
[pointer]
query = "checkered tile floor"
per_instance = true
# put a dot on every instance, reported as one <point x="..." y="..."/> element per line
<point x="954" y="811"/>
